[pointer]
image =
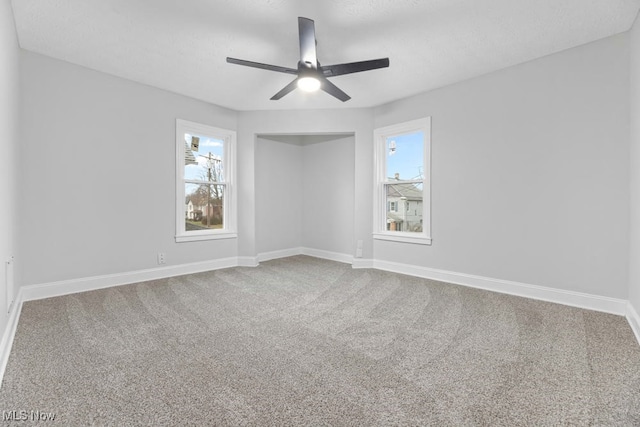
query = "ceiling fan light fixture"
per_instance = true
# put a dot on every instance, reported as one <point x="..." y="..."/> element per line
<point x="310" y="75"/>
<point x="309" y="84"/>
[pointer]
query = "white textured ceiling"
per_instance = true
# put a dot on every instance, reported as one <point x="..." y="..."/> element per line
<point x="182" y="45"/>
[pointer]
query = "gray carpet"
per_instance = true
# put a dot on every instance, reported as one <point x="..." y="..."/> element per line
<point x="304" y="341"/>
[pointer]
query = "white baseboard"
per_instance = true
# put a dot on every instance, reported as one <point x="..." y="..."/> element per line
<point x="362" y="263"/>
<point x="316" y="253"/>
<point x="47" y="290"/>
<point x="65" y="287"/>
<point x="559" y="296"/>
<point x="332" y="256"/>
<point x="283" y="253"/>
<point x="247" y="261"/>
<point x="634" y="320"/>
<point x="9" y="333"/>
<point x="574" y="299"/>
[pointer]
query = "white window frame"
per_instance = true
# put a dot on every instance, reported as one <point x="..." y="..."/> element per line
<point x="229" y="230"/>
<point x="380" y="136"/>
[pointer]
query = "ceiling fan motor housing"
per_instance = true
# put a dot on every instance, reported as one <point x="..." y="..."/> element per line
<point x="310" y="74"/>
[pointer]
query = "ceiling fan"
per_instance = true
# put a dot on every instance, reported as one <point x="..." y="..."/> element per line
<point x="311" y="75"/>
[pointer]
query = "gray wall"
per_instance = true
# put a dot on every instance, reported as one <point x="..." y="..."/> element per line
<point x="9" y="141"/>
<point x="305" y="192"/>
<point x="634" y="234"/>
<point x="304" y="122"/>
<point x="97" y="168"/>
<point x="530" y="173"/>
<point x="279" y="195"/>
<point x="530" y="176"/>
<point x="329" y="195"/>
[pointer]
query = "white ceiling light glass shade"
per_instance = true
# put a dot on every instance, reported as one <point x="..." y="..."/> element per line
<point x="309" y="84"/>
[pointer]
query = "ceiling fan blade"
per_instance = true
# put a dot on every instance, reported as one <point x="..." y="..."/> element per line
<point x="262" y="66"/>
<point x="354" y="67"/>
<point x="285" y="90"/>
<point x="307" y="35"/>
<point x="334" y="90"/>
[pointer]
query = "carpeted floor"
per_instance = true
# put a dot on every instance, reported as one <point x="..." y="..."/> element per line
<point x="304" y="341"/>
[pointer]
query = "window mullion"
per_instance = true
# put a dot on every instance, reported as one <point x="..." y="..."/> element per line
<point x="408" y="181"/>
<point x="192" y="181"/>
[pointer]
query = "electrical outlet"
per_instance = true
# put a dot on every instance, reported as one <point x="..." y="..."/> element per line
<point x="161" y="258"/>
<point x="359" y="249"/>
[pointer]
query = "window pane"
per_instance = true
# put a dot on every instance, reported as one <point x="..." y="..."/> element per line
<point x="204" y="206"/>
<point x="404" y="207"/>
<point x="203" y="158"/>
<point x="404" y="156"/>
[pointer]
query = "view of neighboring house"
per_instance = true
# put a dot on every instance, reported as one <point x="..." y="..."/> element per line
<point x="196" y="210"/>
<point x="404" y="207"/>
<point x="192" y="211"/>
<point x="196" y="204"/>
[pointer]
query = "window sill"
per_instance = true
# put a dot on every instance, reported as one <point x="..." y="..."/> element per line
<point x="207" y="236"/>
<point x="403" y="238"/>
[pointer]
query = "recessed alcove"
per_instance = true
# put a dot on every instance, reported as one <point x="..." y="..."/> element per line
<point x="305" y="192"/>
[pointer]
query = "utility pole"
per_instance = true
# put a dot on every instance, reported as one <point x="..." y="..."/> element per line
<point x="210" y="176"/>
<point x="209" y="164"/>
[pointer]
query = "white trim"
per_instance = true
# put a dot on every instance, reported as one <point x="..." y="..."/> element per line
<point x="402" y="237"/>
<point x="205" y="236"/>
<point x="247" y="261"/>
<point x="380" y="136"/>
<point x="65" y="287"/>
<point x="559" y="296"/>
<point x="84" y="284"/>
<point x="332" y="256"/>
<point x="316" y="253"/>
<point x="570" y="298"/>
<point x="282" y="253"/>
<point x="229" y="160"/>
<point x="362" y="263"/>
<point x="9" y="333"/>
<point x="634" y="320"/>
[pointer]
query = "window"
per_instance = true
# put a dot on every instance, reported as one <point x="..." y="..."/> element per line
<point x="403" y="170"/>
<point x="205" y="193"/>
